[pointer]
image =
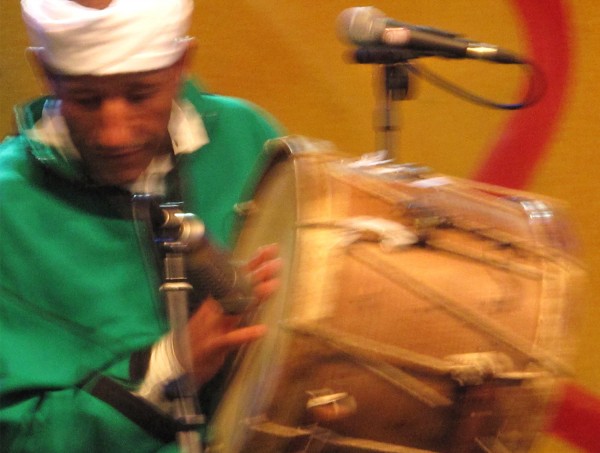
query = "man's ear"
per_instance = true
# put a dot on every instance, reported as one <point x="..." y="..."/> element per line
<point x="190" y="50"/>
<point x="39" y="69"/>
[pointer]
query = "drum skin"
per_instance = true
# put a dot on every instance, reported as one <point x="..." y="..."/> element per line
<point x="417" y="312"/>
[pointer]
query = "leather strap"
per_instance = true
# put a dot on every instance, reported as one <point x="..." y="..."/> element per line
<point x="156" y="423"/>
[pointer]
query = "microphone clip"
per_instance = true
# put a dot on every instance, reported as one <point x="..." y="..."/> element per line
<point x="386" y="55"/>
<point x="174" y="229"/>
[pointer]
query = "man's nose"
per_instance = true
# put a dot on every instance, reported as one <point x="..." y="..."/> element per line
<point x="114" y="125"/>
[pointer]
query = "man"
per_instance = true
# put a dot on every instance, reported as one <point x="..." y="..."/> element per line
<point x="85" y="351"/>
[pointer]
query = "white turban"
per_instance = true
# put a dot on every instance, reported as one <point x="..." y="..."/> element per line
<point x="126" y="36"/>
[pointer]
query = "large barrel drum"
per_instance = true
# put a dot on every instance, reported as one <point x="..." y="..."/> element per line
<point x="418" y="312"/>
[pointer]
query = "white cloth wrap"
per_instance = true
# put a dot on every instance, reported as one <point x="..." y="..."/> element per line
<point x="127" y="36"/>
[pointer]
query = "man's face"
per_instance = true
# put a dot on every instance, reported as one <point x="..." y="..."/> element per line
<point x="118" y="122"/>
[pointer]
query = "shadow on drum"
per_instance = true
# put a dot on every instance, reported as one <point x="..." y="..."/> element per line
<point x="417" y="312"/>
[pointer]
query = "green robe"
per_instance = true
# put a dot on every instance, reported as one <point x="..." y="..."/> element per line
<point x="78" y="281"/>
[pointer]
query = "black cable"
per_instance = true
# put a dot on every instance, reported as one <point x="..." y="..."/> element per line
<point x="535" y="89"/>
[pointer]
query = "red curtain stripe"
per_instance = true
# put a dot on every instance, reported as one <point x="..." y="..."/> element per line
<point x="512" y="160"/>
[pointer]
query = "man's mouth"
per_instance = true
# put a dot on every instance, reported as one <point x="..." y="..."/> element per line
<point x="118" y="153"/>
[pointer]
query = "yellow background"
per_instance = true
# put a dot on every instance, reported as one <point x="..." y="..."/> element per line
<point x="284" y="55"/>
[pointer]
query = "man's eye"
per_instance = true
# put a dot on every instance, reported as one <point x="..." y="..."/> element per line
<point x="88" y="101"/>
<point x="139" y="96"/>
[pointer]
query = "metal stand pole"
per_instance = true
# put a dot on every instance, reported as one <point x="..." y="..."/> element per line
<point x="176" y="291"/>
<point x="395" y="88"/>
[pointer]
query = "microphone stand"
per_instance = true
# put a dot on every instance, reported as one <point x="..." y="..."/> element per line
<point x="176" y="291"/>
<point x="395" y="86"/>
<point x="192" y="269"/>
<point x="393" y="65"/>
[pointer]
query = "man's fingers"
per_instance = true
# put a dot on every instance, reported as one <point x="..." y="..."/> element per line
<point x="239" y="337"/>
<point x="264" y="290"/>
<point x="264" y="253"/>
<point x="266" y="270"/>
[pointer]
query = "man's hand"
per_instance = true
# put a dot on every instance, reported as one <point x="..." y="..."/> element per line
<point x="263" y="269"/>
<point x="214" y="334"/>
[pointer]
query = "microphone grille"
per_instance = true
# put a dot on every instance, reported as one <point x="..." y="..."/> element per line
<point x="361" y="25"/>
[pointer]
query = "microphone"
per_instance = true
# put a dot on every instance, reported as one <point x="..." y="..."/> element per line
<point x="208" y="268"/>
<point x="368" y="26"/>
